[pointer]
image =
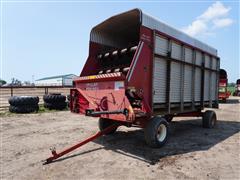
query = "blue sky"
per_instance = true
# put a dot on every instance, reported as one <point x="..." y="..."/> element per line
<point x="52" y="38"/>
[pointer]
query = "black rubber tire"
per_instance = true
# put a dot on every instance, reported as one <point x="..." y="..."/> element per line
<point x="168" y="118"/>
<point x="54" y="98"/>
<point x="152" y="130"/>
<point x="56" y="106"/>
<point x="209" y="119"/>
<point x="23" y="100"/>
<point x="24" y="109"/>
<point x="104" y="123"/>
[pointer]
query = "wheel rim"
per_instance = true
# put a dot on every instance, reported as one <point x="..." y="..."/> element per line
<point x="161" y="133"/>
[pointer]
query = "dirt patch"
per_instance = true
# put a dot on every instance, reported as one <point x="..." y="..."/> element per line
<point x="191" y="152"/>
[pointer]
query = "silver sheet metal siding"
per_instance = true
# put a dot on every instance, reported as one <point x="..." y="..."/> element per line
<point x="188" y="55"/>
<point x="197" y="84"/>
<point x="206" y="85"/>
<point x="161" y="45"/>
<point x="106" y="39"/>
<point x="176" y="51"/>
<point x="198" y="58"/>
<point x="152" y="23"/>
<point x="159" y="80"/>
<point x="188" y="83"/>
<point x="181" y="76"/>
<point x="175" y="83"/>
<point x="214" y="63"/>
<point x="207" y="61"/>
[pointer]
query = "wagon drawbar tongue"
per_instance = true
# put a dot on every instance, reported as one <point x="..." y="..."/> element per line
<point x="56" y="155"/>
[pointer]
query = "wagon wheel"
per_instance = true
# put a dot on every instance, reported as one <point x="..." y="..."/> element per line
<point x="209" y="119"/>
<point x="156" y="132"/>
<point x="168" y="118"/>
<point x="103" y="123"/>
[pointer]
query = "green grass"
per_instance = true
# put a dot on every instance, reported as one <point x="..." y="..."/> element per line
<point x="5" y="113"/>
<point x="231" y="89"/>
<point x="42" y="109"/>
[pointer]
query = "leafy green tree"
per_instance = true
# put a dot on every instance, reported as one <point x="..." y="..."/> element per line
<point x="2" y="82"/>
<point x="231" y="84"/>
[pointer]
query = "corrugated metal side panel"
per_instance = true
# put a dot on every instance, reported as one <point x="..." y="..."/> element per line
<point x="198" y="58"/>
<point x="152" y="23"/>
<point x="213" y="86"/>
<point x="214" y="63"/>
<point x="206" y="85"/>
<point x="159" y="80"/>
<point x="68" y="81"/>
<point x="49" y="82"/>
<point x="103" y="38"/>
<point x="188" y="55"/>
<point x="218" y="65"/>
<point x="197" y="85"/>
<point x="187" y="83"/>
<point x="97" y="37"/>
<point x="176" y="51"/>
<point x="175" y="83"/>
<point x="161" y="45"/>
<point x="207" y="61"/>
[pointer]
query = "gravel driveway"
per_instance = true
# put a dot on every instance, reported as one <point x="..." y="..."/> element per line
<point x="191" y="152"/>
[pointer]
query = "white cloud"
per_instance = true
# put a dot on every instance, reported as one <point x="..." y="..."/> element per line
<point x="216" y="10"/>
<point x="219" y="23"/>
<point x="214" y="17"/>
<point x="197" y="27"/>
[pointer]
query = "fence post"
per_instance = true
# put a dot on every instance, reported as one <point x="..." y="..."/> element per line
<point x="46" y="90"/>
<point x="11" y="91"/>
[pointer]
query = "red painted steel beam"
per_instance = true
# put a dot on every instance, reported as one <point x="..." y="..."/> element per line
<point x="56" y="155"/>
<point x="190" y="114"/>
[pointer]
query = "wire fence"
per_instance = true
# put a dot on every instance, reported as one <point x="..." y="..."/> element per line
<point x="40" y="91"/>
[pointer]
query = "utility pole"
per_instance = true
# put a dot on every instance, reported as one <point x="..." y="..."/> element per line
<point x="33" y="79"/>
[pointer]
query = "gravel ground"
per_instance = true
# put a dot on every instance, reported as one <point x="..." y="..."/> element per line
<point x="191" y="152"/>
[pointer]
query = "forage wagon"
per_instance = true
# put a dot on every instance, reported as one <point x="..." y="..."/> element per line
<point x="223" y="93"/>
<point x="142" y="72"/>
<point x="237" y="88"/>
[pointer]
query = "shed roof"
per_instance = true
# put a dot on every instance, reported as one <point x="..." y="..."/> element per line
<point x="55" y="77"/>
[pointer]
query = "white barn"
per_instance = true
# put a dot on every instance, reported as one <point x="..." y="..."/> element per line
<point x="61" y="80"/>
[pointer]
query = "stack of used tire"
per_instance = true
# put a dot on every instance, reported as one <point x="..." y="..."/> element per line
<point x="54" y="101"/>
<point x="23" y="104"/>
